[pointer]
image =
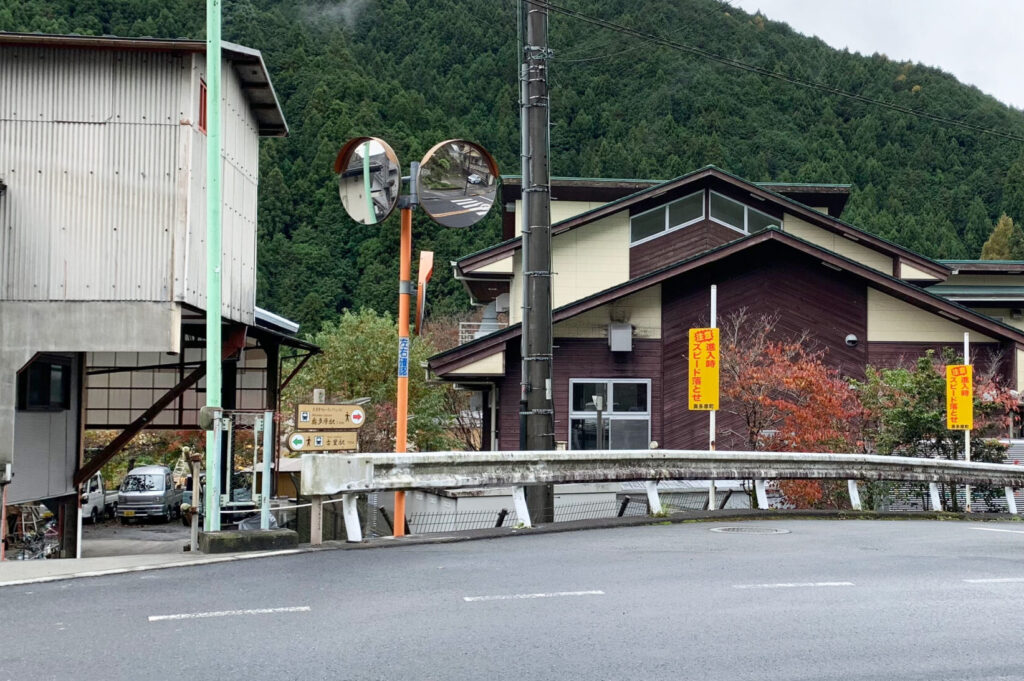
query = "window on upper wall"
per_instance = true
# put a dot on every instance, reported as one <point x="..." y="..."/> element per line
<point x="657" y="221"/>
<point x="740" y="216"/>
<point x="202" y="106"/>
<point x="45" y="385"/>
<point x="626" y="413"/>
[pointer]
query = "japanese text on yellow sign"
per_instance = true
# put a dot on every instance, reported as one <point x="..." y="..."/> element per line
<point x="703" y="374"/>
<point x="959" y="397"/>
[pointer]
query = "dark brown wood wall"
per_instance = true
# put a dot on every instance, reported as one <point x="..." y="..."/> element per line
<point x="807" y="297"/>
<point x="580" y="358"/>
<point x="674" y="246"/>
<point x="893" y="355"/>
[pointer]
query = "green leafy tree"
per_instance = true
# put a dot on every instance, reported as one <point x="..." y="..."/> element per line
<point x="906" y="411"/>
<point x="359" y="360"/>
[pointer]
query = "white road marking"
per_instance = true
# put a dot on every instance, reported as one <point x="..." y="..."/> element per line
<point x="790" y="585"/>
<point x="996" y="580"/>
<point x="516" y="597"/>
<point x="994" y="529"/>
<point x="226" y="613"/>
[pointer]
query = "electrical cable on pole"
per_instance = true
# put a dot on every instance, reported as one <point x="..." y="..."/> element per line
<point x="537" y="414"/>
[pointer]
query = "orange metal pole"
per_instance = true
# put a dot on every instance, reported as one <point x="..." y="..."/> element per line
<point x="402" y="417"/>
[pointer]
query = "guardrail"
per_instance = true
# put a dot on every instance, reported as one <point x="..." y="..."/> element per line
<point x="330" y="474"/>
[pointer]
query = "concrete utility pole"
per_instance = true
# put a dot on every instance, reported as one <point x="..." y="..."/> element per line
<point x="213" y="259"/>
<point x="535" y="406"/>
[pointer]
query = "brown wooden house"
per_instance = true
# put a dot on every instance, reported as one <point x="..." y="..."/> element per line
<point x="637" y="258"/>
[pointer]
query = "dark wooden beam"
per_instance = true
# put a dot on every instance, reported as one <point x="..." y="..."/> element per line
<point x="234" y="342"/>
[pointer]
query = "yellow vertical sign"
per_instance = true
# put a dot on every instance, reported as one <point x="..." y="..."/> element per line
<point x="959" y="397"/>
<point x="705" y="356"/>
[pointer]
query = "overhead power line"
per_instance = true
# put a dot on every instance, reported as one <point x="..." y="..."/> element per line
<point x="761" y="71"/>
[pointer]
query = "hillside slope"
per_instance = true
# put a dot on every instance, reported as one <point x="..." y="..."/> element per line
<point x="418" y="71"/>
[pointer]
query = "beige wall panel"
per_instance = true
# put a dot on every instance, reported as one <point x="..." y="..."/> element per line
<point x="1019" y="357"/>
<point x="560" y="210"/>
<point x="584" y="261"/>
<point x="493" y="365"/>
<point x="890" y="319"/>
<point x="590" y="259"/>
<point x="515" y="294"/>
<point x="1003" y="314"/>
<point x="910" y="273"/>
<point x="642" y="310"/>
<point x="504" y="266"/>
<point x="837" y="244"/>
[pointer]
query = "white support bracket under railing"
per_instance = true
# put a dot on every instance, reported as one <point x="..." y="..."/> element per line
<point x="353" y="530"/>
<point x="1011" y="501"/>
<point x="653" y="499"/>
<point x="761" y="494"/>
<point x="933" y="490"/>
<point x="522" y="511"/>
<point x="851" y="485"/>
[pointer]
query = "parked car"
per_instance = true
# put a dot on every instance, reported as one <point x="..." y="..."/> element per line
<point x="97" y="501"/>
<point x="475" y="179"/>
<point x="148" y="492"/>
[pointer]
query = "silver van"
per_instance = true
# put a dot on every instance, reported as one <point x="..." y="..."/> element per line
<point x="148" y="492"/>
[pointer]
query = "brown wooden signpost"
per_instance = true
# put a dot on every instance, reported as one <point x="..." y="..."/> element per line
<point x="323" y="441"/>
<point x="326" y="428"/>
<point x="329" y="417"/>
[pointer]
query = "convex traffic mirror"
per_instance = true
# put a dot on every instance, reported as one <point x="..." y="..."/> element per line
<point x="458" y="183"/>
<point x="369" y="179"/>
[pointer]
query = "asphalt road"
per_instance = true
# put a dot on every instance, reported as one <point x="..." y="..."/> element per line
<point x="458" y="208"/>
<point x="111" y="538"/>
<point x="830" y="600"/>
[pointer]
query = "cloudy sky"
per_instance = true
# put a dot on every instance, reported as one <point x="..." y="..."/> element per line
<point x="978" y="41"/>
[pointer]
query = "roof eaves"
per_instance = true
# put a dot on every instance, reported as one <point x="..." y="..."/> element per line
<point x="771" y="233"/>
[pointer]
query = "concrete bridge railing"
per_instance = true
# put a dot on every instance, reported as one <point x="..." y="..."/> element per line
<point x="330" y="474"/>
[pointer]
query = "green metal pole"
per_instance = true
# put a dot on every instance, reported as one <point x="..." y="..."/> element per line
<point x="213" y="258"/>
<point x="371" y="217"/>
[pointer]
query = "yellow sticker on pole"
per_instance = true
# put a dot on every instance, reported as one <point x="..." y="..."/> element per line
<point x="959" y="397"/>
<point x="705" y="356"/>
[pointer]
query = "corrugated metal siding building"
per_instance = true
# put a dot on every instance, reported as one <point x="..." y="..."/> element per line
<point x="103" y="241"/>
<point x="105" y="165"/>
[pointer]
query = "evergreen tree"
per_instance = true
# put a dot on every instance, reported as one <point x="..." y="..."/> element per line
<point x="978" y="227"/>
<point x="1000" y="243"/>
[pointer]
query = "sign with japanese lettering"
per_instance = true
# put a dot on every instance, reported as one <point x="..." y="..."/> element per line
<point x="326" y="441"/>
<point x="403" y="357"/>
<point x="705" y="356"/>
<point x="329" y="417"/>
<point x="959" y="397"/>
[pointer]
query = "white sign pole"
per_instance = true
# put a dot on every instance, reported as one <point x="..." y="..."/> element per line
<point x="967" y="433"/>
<point x="711" y="414"/>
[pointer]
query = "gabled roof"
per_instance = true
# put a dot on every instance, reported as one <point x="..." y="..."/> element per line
<point x="248" y="65"/>
<point x="815" y="217"/>
<point x="481" y="347"/>
<point x="603" y="189"/>
<point x="985" y="266"/>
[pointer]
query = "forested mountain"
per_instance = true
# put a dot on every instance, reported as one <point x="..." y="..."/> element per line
<point x="415" y="72"/>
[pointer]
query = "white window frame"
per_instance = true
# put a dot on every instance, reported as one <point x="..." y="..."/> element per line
<point x="668" y="228"/>
<point x="607" y="415"/>
<point x="746" y="214"/>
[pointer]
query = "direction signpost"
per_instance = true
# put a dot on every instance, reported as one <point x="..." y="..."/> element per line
<point x="323" y="441"/>
<point x="326" y="428"/>
<point x="329" y="416"/>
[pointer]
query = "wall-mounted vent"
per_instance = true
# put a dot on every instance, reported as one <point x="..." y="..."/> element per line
<point x="620" y="337"/>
